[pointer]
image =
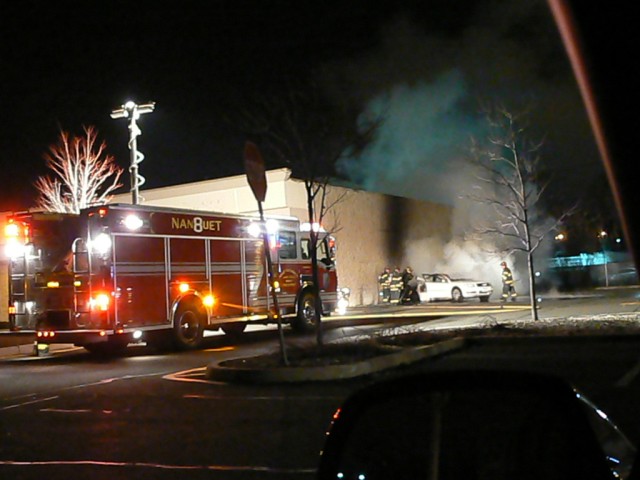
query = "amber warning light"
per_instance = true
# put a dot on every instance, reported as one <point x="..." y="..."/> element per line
<point x="209" y="301"/>
<point x="11" y="230"/>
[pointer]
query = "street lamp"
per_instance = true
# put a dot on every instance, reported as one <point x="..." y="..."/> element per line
<point x="132" y="111"/>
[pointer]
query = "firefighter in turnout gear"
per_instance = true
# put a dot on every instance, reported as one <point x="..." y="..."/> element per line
<point x="508" y="287"/>
<point x="409" y="293"/>
<point x="384" y="285"/>
<point x="396" y="286"/>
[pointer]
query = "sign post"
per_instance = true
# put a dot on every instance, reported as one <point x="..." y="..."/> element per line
<point x="254" y="168"/>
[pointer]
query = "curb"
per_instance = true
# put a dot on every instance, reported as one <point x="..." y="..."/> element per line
<point x="220" y="372"/>
<point x="26" y="351"/>
<point x="12" y="343"/>
<point x="21" y="345"/>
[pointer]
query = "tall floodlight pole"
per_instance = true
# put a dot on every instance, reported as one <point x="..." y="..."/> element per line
<point x="132" y="111"/>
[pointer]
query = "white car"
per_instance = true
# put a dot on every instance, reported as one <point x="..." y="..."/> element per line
<point x="440" y="286"/>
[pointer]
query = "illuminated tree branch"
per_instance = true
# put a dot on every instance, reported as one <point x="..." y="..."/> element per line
<point x="507" y="166"/>
<point x="84" y="175"/>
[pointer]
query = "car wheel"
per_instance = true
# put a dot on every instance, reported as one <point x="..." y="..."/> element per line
<point x="484" y="299"/>
<point x="456" y="295"/>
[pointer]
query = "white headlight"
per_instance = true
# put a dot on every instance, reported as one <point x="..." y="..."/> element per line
<point x="14" y="249"/>
<point x="101" y="244"/>
<point x="272" y="225"/>
<point x="254" y="230"/>
<point x="133" y="222"/>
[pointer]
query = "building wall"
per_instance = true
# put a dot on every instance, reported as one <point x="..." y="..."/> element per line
<point x="359" y="228"/>
<point x="372" y="230"/>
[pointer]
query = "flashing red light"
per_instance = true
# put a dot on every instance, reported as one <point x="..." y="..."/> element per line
<point x="101" y="302"/>
<point x="102" y="212"/>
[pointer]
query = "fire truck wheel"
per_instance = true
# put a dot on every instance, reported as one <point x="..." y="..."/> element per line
<point x="305" y="318"/>
<point x="188" y="327"/>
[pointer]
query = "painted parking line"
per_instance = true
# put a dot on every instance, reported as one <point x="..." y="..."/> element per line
<point x="449" y="312"/>
<point x="161" y="466"/>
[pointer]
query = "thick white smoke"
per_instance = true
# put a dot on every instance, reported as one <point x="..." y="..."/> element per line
<point x="459" y="258"/>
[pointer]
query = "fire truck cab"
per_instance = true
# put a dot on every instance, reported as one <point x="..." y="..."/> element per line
<point x="117" y="274"/>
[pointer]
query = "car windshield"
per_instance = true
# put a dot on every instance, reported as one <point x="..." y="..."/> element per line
<point x="252" y="181"/>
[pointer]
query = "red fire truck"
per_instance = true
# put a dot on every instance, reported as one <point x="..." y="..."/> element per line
<point x="119" y="273"/>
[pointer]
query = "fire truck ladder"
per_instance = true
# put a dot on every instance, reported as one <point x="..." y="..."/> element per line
<point x="19" y="288"/>
<point x="81" y="276"/>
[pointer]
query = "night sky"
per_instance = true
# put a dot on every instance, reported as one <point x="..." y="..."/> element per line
<point x="425" y="64"/>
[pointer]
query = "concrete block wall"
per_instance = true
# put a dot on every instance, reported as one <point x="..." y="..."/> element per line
<point x="371" y="231"/>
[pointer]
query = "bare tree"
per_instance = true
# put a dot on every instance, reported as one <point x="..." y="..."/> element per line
<point x="308" y="132"/>
<point x="510" y="186"/>
<point x="84" y="175"/>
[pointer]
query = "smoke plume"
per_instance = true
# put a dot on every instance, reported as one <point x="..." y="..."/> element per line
<point x="427" y="89"/>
